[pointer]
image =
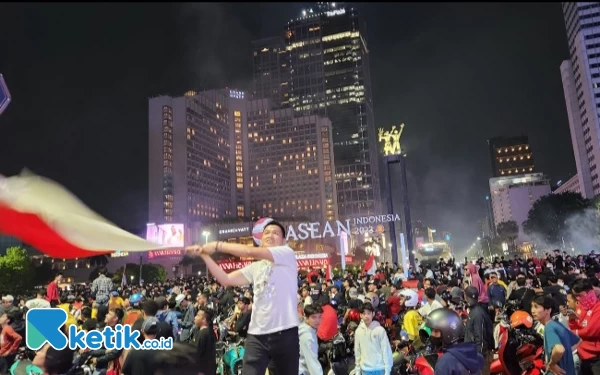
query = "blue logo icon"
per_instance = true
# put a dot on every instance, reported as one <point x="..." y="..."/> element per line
<point x="43" y="326"/>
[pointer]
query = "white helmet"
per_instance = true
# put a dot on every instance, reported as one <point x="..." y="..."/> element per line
<point x="411" y="297"/>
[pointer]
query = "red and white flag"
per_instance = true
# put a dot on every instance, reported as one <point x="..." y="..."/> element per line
<point x="370" y="266"/>
<point x="45" y="215"/>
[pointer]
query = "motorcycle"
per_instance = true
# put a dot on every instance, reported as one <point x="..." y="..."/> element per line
<point x="230" y="357"/>
<point x="520" y="346"/>
<point x="23" y="364"/>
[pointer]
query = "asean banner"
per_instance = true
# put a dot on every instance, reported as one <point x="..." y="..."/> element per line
<point x="304" y="261"/>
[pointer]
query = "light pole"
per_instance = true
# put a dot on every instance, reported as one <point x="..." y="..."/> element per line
<point x="131" y="277"/>
<point x="206" y="234"/>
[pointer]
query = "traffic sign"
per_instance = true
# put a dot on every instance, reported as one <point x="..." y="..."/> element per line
<point x="4" y="95"/>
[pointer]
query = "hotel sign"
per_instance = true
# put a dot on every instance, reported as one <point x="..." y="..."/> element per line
<point x="364" y="224"/>
<point x="164" y="253"/>
<point x="303" y="260"/>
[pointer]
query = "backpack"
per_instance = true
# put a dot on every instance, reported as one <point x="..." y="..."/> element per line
<point x="338" y="351"/>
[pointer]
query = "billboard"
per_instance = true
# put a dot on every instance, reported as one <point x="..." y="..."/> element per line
<point x="166" y="234"/>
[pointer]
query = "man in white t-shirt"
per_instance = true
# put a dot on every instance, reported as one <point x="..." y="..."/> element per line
<point x="38" y="302"/>
<point x="272" y="340"/>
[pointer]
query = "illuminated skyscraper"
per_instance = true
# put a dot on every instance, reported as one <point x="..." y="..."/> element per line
<point x="581" y="80"/>
<point x="291" y="164"/>
<point x="195" y="160"/>
<point x="328" y="75"/>
<point x="511" y="156"/>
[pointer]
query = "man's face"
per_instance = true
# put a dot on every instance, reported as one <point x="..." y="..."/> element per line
<point x="367" y="317"/>
<point x="202" y="300"/>
<point x="200" y="319"/>
<point x="314" y="320"/>
<point x="426" y="284"/>
<point x="467" y="271"/>
<point x="58" y="278"/>
<point x="538" y="313"/>
<point x="111" y="319"/>
<point x="304" y="293"/>
<point x="242" y="306"/>
<point x="372" y="288"/>
<point x="494" y="279"/>
<point x="272" y="236"/>
<point x="571" y="302"/>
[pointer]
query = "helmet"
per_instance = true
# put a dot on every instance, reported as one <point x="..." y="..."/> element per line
<point x="135" y="299"/>
<point x="354" y="316"/>
<point x="411" y="297"/>
<point x="424" y="332"/>
<point x="448" y="322"/>
<point x="373" y="299"/>
<point x="521" y="318"/>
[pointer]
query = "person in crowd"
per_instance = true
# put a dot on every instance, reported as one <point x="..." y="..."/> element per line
<point x="372" y="349"/>
<point x="102" y="286"/>
<point x="496" y="294"/>
<point x="412" y="320"/>
<point x="39" y="302"/>
<point x="187" y="321"/>
<point x="8" y="304"/>
<point x="393" y="302"/>
<point x="586" y="325"/>
<point x="309" y="343"/>
<point x="242" y="317"/>
<point x="447" y="334"/>
<point x="143" y="361"/>
<point x="9" y="342"/>
<point x="479" y="328"/>
<point x="52" y="361"/>
<point x="559" y="342"/>
<point x="103" y="358"/>
<point x="206" y="351"/>
<point x="115" y="301"/>
<point x="52" y="291"/>
<point x="328" y="326"/>
<point x="273" y="333"/>
<point x="168" y="314"/>
<point x="431" y="303"/>
<point x="472" y="275"/>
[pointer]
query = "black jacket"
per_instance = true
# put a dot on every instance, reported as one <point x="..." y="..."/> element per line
<point x="480" y="329"/>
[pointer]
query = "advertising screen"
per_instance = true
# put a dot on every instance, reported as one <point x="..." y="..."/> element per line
<point x="166" y="234"/>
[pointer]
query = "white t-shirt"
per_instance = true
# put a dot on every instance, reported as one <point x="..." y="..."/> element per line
<point x="429" y="307"/>
<point x="37" y="303"/>
<point x="275" y="292"/>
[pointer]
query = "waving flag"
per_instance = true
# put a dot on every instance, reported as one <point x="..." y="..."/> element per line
<point x="45" y="215"/>
<point x="370" y="266"/>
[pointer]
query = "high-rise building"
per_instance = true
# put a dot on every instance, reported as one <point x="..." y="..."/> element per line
<point x="513" y="197"/>
<point x="581" y="77"/>
<point x="511" y="156"/>
<point x="290" y="158"/>
<point x="571" y="185"/>
<point x="191" y="172"/>
<point x="271" y="70"/>
<point x="328" y="75"/>
<point x="215" y="155"/>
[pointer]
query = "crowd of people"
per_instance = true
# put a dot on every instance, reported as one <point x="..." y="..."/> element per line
<point x="289" y="321"/>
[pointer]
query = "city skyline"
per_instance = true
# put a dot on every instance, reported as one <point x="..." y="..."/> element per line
<point x="79" y="110"/>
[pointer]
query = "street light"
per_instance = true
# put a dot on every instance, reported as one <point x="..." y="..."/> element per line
<point x="131" y="277"/>
<point x="205" y="234"/>
<point x="478" y="238"/>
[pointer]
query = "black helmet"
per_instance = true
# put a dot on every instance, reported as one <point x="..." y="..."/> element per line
<point x="448" y="323"/>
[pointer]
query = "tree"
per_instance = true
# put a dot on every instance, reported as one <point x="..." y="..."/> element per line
<point x="98" y="260"/>
<point x="509" y="231"/>
<point x="16" y="271"/>
<point x="187" y="261"/>
<point x="151" y="273"/>
<point x="549" y="217"/>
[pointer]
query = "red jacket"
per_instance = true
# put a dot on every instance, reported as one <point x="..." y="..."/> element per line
<point x="329" y="324"/>
<point x="393" y="304"/>
<point x="52" y="292"/>
<point x="587" y="327"/>
<point x="10" y="341"/>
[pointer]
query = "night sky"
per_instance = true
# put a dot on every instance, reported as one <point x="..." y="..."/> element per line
<point x="81" y="75"/>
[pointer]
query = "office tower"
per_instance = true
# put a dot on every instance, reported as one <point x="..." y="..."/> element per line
<point x="190" y="156"/>
<point x="290" y="161"/>
<point x="327" y="74"/>
<point x="512" y="197"/>
<point x="581" y="77"/>
<point x="511" y="156"/>
<point x="271" y="70"/>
